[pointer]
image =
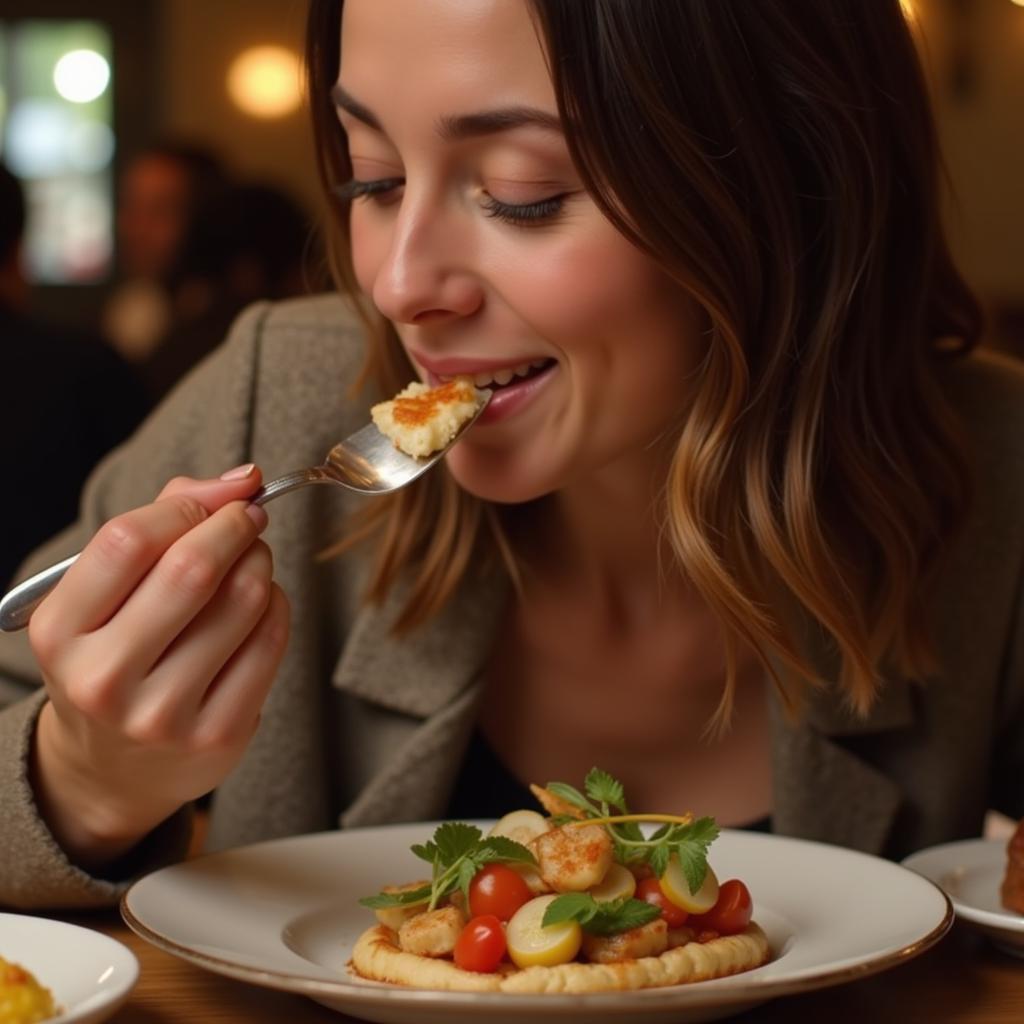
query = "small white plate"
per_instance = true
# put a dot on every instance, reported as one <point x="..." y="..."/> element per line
<point x="284" y="914"/>
<point x="971" y="872"/>
<point x="89" y="974"/>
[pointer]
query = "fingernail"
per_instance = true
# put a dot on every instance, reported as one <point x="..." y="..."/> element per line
<point x="257" y="514"/>
<point x="239" y="472"/>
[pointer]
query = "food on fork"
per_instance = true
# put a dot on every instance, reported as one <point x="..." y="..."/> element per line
<point x="22" y="999"/>
<point x="421" y="420"/>
<point x="581" y="900"/>
<point x="1012" y="892"/>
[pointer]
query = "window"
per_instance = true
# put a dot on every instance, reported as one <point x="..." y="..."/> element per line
<point x="56" y="134"/>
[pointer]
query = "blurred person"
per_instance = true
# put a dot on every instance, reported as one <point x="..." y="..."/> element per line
<point x="159" y="192"/>
<point x="244" y="242"/>
<point x="68" y="399"/>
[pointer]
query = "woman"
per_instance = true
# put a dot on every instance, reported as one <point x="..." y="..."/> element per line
<point x="715" y="532"/>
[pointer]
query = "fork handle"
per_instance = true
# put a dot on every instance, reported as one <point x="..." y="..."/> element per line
<point x="290" y="482"/>
<point x="18" y="605"/>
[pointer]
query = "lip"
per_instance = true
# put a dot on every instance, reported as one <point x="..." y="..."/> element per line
<point x="509" y="400"/>
<point x="453" y="366"/>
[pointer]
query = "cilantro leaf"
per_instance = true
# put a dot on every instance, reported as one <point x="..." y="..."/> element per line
<point x="397" y="899"/>
<point x="573" y="796"/>
<point x="690" y="844"/>
<point x="468" y="867"/>
<point x="427" y="852"/>
<point x="599" y="917"/>
<point x="658" y="858"/>
<point x="603" y="789"/>
<point x="454" y="839"/>
<point x="508" y="851"/>
<point x="570" y="906"/>
<point x="621" y="918"/>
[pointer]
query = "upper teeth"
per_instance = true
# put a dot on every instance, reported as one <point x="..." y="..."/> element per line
<point x="502" y="377"/>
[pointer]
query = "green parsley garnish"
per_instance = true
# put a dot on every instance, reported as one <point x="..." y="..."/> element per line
<point x="688" y="840"/>
<point x="456" y="853"/>
<point x="599" y="917"/>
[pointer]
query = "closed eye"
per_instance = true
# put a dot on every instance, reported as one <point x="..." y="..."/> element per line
<point x="356" y="189"/>
<point x="520" y="214"/>
<point x="525" y="214"/>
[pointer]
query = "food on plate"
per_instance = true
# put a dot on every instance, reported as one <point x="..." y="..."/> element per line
<point x="579" y="900"/>
<point x="1012" y="892"/>
<point x="421" y="420"/>
<point x="22" y="999"/>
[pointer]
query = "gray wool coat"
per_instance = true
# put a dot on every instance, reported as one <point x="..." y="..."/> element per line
<point x="361" y="730"/>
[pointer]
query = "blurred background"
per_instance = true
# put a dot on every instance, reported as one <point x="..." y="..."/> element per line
<point x="973" y="51"/>
<point x="161" y="178"/>
<point x="122" y="119"/>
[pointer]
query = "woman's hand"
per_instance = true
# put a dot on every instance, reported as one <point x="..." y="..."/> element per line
<point x="158" y="649"/>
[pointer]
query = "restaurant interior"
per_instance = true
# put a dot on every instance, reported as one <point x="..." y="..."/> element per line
<point x="125" y="124"/>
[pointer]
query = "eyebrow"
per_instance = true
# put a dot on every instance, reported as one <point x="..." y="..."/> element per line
<point x="462" y="126"/>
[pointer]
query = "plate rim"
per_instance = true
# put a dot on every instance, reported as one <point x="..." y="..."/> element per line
<point x="743" y="988"/>
<point x="109" y="999"/>
<point x="1001" y="920"/>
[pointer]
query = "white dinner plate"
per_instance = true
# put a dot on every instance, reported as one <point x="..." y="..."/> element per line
<point x="89" y="975"/>
<point x="284" y="914"/>
<point x="971" y="871"/>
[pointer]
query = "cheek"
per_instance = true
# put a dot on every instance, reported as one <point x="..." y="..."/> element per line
<point x="596" y="276"/>
<point x="633" y="340"/>
<point x="606" y="302"/>
<point x="368" y="247"/>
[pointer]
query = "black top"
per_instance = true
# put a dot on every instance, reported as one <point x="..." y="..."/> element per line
<point x="485" y="788"/>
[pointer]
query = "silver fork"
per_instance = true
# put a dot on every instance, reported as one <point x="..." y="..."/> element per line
<point x="365" y="461"/>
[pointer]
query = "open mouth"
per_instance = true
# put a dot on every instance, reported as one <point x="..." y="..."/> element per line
<point x="497" y="379"/>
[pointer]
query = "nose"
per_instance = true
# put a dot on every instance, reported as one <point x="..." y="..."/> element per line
<point x="425" y="274"/>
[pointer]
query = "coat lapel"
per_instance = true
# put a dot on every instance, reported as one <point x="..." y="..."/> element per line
<point x="824" y="789"/>
<point x="825" y="792"/>
<point x="421" y="691"/>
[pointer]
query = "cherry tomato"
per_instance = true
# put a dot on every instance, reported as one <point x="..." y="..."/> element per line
<point x="730" y="914"/>
<point x="481" y="945"/>
<point x="649" y="889"/>
<point x="497" y="889"/>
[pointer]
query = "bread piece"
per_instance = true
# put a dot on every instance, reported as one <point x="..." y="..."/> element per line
<point x="421" y="420"/>
<point x="378" y="956"/>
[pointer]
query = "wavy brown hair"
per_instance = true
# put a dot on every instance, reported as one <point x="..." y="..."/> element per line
<point x="780" y="161"/>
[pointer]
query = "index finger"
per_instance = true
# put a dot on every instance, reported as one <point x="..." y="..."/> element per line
<point x="240" y="482"/>
<point x="113" y="564"/>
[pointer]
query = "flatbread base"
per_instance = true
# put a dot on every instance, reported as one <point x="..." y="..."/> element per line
<point x="377" y="956"/>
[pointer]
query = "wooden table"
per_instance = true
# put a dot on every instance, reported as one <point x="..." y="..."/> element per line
<point x="963" y="979"/>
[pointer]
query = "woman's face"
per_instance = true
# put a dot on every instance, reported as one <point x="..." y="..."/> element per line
<point x="472" y="232"/>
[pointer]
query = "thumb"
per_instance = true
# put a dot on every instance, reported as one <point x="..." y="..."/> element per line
<point x="234" y="485"/>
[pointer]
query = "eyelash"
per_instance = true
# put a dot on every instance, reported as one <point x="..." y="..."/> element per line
<point x="524" y="214"/>
<point x="354" y="189"/>
<point x="518" y="214"/>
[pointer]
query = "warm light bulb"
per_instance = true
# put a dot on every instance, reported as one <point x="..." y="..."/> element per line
<point x="80" y="76"/>
<point x="264" y="81"/>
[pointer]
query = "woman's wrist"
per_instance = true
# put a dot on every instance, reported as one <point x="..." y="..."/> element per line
<point x="84" y="818"/>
